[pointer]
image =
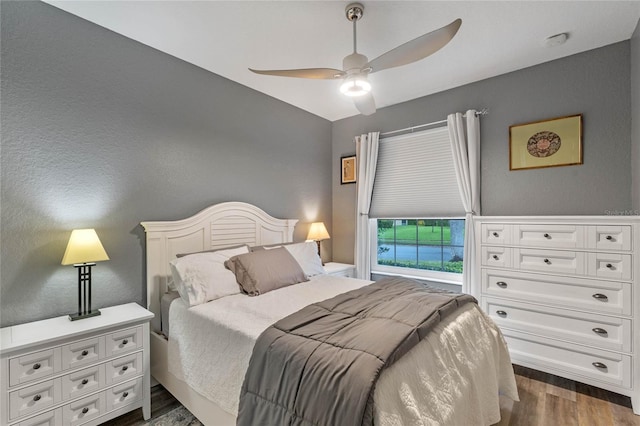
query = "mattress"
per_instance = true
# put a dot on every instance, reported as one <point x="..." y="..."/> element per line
<point x="468" y="362"/>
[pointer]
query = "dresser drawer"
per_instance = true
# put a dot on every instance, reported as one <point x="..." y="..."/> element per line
<point x="610" y="238"/>
<point x="34" y="366"/>
<point x="83" y="410"/>
<point x="552" y="261"/>
<point x="124" y="341"/>
<point x="34" y="398"/>
<point x="496" y="233"/>
<point x="124" y="368"/>
<point x="50" y="418"/>
<point x="610" y="265"/>
<point x="598" y="296"/>
<point x="83" y="382"/>
<point x="601" y="331"/>
<point x="576" y="362"/>
<point x="497" y="257"/>
<point x="549" y="236"/>
<point x="82" y="352"/>
<point x="124" y="394"/>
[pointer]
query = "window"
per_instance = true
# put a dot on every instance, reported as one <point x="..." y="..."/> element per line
<point x="425" y="248"/>
<point x="415" y="178"/>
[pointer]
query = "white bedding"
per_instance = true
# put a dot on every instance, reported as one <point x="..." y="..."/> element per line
<point x="210" y="347"/>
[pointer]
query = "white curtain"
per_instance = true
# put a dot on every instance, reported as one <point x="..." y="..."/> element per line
<point x="465" y="145"/>
<point x="366" y="158"/>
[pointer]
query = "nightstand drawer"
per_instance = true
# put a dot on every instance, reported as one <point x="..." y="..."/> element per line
<point x="50" y="418"/>
<point x="124" y="394"/>
<point x="553" y="261"/>
<point x="34" y="398"/>
<point x="82" y="352"/>
<point x="82" y="382"/>
<point x="124" y="368"/>
<point x="83" y="410"/>
<point x="34" y="366"/>
<point x="124" y="341"/>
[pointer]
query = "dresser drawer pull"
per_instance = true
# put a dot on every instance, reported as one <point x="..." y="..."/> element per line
<point x="125" y="394"/>
<point x="547" y="236"/>
<point x="495" y="234"/>
<point x="125" y="341"/>
<point x="85" y="352"/>
<point x="610" y="266"/>
<point x="600" y="331"/>
<point x="495" y="257"/>
<point x="36" y="366"/>
<point x="609" y="237"/>
<point x="85" y="410"/>
<point x="599" y="365"/>
<point x="501" y="313"/>
<point x="37" y="397"/>
<point x="600" y="296"/>
<point x="125" y="368"/>
<point x="501" y="284"/>
<point x="85" y="381"/>
<point x="547" y="261"/>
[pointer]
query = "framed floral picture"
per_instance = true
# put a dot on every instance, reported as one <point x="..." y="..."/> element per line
<point x="547" y="143"/>
<point x="348" y="169"/>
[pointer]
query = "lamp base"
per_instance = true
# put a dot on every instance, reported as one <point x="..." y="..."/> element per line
<point x="78" y="316"/>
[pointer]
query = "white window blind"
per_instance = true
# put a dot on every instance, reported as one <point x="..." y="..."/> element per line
<point x="415" y="177"/>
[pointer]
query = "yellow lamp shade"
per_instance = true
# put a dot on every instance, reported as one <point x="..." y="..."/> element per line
<point x="318" y="232"/>
<point x="84" y="247"/>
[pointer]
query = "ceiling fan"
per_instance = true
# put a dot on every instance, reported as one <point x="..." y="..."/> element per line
<point x="357" y="66"/>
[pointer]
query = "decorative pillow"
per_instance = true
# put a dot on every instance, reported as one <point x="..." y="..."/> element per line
<point x="202" y="277"/>
<point x="306" y="254"/>
<point x="264" y="270"/>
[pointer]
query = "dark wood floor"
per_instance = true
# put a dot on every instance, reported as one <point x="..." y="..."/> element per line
<point x="544" y="400"/>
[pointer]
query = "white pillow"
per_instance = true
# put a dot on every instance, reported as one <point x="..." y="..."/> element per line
<point x="202" y="277"/>
<point x="306" y="254"/>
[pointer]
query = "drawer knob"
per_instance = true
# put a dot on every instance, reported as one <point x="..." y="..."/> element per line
<point x="85" y="381"/>
<point x="600" y="296"/>
<point x="547" y="236"/>
<point x="125" y="394"/>
<point x="495" y="257"/>
<point x="609" y="237"/>
<point x="36" y="366"/>
<point x="600" y="331"/>
<point x="599" y="365"/>
<point x="495" y="234"/>
<point x="501" y="313"/>
<point x="85" y="352"/>
<point x="125" y="367"/>
<point x="37" y="398"/>
<point x="85" y="410"/>
<point x="547" y="261"/>
<point x="610" y="266"/>
<point x="501" y="284"/>
<point x="125" y="341"/>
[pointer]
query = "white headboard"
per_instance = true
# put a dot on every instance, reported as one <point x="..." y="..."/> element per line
<point x="221" y="225"/>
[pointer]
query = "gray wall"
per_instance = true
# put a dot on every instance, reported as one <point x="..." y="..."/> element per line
<point x="100" y="131"/>
<point x="635" y="118"/>
<point x="595" y="83"/>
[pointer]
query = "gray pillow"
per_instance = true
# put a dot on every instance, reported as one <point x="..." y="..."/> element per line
<point x="264" y="270"/>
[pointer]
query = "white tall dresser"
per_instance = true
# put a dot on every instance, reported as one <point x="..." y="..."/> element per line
<point x="565" y="292"/>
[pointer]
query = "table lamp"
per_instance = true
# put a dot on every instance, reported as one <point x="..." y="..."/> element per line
<point x="318" y="232"/>
<point x="83" y="250"/>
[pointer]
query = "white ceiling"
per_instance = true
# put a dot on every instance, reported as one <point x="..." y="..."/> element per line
<point x="227" y="37"/>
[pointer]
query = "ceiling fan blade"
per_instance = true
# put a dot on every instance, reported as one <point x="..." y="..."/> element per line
<point x="316" y="73"/>
<point x="365" y="104"/>
<point x="416" y="49"/>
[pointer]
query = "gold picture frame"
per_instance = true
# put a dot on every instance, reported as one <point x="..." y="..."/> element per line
<point x="348" y="169"/>
<point x="547" y="143"/>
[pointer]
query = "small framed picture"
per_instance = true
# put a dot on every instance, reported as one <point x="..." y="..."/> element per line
<point x="348" y="169"/>
<point x="548" y="143"/>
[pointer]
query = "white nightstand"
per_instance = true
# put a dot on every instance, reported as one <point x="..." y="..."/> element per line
<point x="61" y="372"/>
<point x="340" y="269"/>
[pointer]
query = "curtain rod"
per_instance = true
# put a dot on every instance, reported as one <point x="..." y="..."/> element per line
<point x="483" y="111"/>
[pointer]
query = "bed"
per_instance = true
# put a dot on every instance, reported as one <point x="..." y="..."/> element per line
<point x="203" y="361"/>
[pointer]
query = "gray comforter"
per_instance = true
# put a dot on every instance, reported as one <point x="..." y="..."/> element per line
<point x="319" y="366"/>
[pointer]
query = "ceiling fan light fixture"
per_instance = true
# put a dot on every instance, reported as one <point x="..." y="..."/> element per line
<point x="355" y="86"/>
